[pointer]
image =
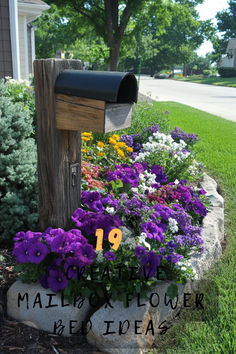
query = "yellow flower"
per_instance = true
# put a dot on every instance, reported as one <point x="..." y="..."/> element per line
<point x="112" y="141"/>
<point x="120" y="144"/>
<point x="129" y="149"/>
<point x="116" y="147"/>
<point x="86" y="134"/>
<point x="100" y="144"/>
<point x="85" y="139"/>
<point x="115" y="136"/>
<point x="83" y="150"/>
<point x="120" y="153"/>
<point x="100" y="153"/>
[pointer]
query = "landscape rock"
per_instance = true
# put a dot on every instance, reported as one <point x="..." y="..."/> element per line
<point x="40" y="308"/>
<point x="161" y="315"/>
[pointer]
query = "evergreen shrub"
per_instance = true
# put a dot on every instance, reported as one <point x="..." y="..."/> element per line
<point x="18" y="167"/>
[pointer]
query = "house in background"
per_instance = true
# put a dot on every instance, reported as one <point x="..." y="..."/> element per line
<point x="229" y="60"/>
<point x="17" y="42"/>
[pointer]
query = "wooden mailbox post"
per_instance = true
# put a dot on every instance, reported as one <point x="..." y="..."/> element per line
<point x="68" y="101"/>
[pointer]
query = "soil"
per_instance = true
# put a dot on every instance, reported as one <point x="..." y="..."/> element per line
<point x="16" y="337"/>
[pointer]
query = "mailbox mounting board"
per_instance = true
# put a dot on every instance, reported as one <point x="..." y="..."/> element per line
<point x="85" y="114"/>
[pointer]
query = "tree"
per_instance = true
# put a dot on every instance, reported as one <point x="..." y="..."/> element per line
<point x="53" y="31"/>
<point x="174" y="43"/>
<point x="226" y="23"/>
<point x="109" y="18"/>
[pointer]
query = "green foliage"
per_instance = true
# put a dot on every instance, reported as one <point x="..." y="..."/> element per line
<point x="23" y="91"/>
<point x="18" y="207"/>
<point x="226" y="23"/>
<point x="55" y="30"/>
<point x="217" y="150"/>
<point x="166" y="34"/>
<point x="227" y="72"/>
<point x="109" y="20"/>
<point x="145" y="114"/>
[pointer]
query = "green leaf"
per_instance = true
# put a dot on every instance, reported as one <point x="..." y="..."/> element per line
<point x="119" y="183"/>
<point x="18" y="268"/>
<point x="172" y="291"/>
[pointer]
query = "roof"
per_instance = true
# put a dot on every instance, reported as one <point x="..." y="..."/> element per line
<point x="36" y="2"/>
<point x="231" y="45"/>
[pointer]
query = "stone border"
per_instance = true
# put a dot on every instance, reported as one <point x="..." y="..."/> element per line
<point x="141" y="318"/>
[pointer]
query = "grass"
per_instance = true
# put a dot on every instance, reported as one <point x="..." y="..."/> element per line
<point x="217" y="81"/>
<point x="217" y="150"/>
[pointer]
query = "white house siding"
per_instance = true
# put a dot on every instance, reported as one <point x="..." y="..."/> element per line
<point x="23" y="44"/>
<point x="227" y="62"/>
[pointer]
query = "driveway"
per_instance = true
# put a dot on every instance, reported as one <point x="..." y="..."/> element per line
<point x="220" y="101"/>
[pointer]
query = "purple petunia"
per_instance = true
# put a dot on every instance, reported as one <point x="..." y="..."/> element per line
<point x="199" y="208"/>
<point x="79" y="216"/>
<point x="140" y="251"/>
<point x="152" y="231"/>
<point x="110" y="256"/>
<point x="86" y="254"/>
<point x="93" y="200"/>
<point x="158" y="171"/>
<point x="37" y="252"/>
<point x="21" y="252"/>
<point x="150" y="262"/>
<point x="56" y="280"/>
<point x="72" y="266"/>
<point x="178" y="135"/>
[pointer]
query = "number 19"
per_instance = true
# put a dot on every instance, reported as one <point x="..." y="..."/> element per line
<point x="114" y="237"/>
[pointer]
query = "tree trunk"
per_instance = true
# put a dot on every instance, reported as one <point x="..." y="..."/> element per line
<point x="114" y="56"/>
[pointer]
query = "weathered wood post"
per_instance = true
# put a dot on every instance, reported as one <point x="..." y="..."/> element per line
<point x="59" y="155"/>
<point x="67" y="102"/>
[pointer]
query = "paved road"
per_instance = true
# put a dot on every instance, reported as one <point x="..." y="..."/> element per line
<point x="220" y="101"/>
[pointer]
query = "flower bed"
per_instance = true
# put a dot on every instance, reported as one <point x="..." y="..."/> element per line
<point x="140" y="213"/>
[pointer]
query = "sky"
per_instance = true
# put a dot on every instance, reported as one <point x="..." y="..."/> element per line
<point x="208" y="10"/>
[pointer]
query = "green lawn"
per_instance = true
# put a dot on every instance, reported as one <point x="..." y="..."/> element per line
<point x="217" y="150"/>
<point x="218" y="81"/>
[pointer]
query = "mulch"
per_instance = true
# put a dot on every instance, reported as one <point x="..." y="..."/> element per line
<point x="16" y="337"/>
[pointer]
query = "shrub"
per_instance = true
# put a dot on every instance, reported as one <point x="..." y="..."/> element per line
<point x="18" y="207"/>
<point x="206" y="72"/>
<point x="22" y="91"/>
<point x="227" y="72"/>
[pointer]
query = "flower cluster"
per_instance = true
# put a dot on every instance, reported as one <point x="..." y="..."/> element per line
<point x="105" y="152"/>
<point x="71" y="251"/>
<point x="189" y="139"/>
<point x="160" y="216"/>
<point x="90" y="175"/>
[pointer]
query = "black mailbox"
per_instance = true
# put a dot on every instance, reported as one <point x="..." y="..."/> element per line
<point x="94" y="100"/>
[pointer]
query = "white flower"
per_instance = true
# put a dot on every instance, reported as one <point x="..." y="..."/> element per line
<point x="141" y="239"/>
<point x="134" y="190"/>
<point x="130" y="242"/>
<point x="99" y="256"/>
<point x="110" y="210"/>
<point x="176" y="181"/>
<point x="173" y="225"/>
<point x="125" y="232"/>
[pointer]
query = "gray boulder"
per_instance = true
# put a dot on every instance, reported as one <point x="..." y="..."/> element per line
<point x="40" y="308"/>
